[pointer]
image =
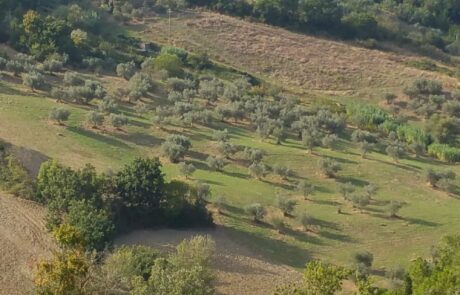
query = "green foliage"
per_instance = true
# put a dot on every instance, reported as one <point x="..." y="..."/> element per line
<point x="14" y="178"/>
<point x="186" y="169"/>
<point x="444" y="152"/>
<point x="215" y="163"/>
<point x="95" y="225"/>
<point x="140" y="191"/>
<point x="439" y="275"/>
<point x="170" y="63"/>
<point x="366" y="116"/>
<point x="118" y="121"/>
<point x="286" y="206"/>
<point x="95" y="119"/>
<point x="126" y="70"/>
<point x="305" y="188"/>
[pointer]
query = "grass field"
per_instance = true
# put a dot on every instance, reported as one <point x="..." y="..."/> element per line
<point x="428" y="215"/>
<point x="347" y="73"/>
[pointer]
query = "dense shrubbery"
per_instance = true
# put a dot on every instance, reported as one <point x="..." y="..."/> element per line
<point x="444" y="152"/>
<point x="98" y="205"/>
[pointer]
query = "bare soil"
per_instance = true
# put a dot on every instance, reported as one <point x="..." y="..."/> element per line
<point x="23" y="241"/>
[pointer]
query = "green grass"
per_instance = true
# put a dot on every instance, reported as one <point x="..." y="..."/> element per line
<point x="428" y="215"/>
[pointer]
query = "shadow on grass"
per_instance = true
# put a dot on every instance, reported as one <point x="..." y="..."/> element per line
<point x="352" y="180"/>
<point x="137" y="138"/>
<point x="276" y="251"/>
<point x="336" y="236"/>
<point x="325" y="202"/>
<point x="98" y="137"/>
<point x="419" y="221"/>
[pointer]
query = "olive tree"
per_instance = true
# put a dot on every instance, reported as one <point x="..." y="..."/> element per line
<point x="59" y="115"/>
<point x="285" y="205"/>
<point x="118" y="121"/>
<point x="256" y="211"/>
<point x="186" y="169"/>
<point x="175" y="147"/>
<point x="33" y="80"/>
<point x="329" y="167"/>
<point x="126" y="70"/>
<point x="305" y="188"/>
<point x="94" y="119"/>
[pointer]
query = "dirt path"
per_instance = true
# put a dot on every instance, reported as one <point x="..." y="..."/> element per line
<point x="23" y="240"/>
<point x="238" y="270"/>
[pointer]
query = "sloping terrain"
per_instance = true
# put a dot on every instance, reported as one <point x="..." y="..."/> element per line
<point x="300" y="61"/>
<point x="239" y="270"/>
<point x="23" y="241"/>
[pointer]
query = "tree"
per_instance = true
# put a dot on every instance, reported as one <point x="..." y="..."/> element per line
<point x="203" y="191"/>
<point x="365" y="147"/>
<point x="390" y="98"/>
<point x="395" y="150"/>
<point x="220" y="135"/>
<point x="118" y="121"/>
<point x="59" y="115"/>
<point x="278" y="223"/>
<point x="311" y="138"/>
<point x="256" y="211"/>
<point x="329" y="141"/>
<point x="220" y="203"/>
<point x="253" y="155"/>
<point x="215" y="163"/>
<point x="346" y="190"/>
<point x="95" y="225"/>
<point x="170" y="63"/>
<point x="285" y="205"/>
<point x="329" y="167"/>
<point x="363" y="261"/>
<point x="139" y="85"/>
<point x="227" y="149"/>
<point x="305" y="220"/>
<point x="107" y="105"/>
<point x="257" y="170"/>
<point x="186" y="169"/>
<point x="305" y="188"/>
<point x="126" y="70"/>
<point x="175" y="147"/>
<point x="318" y="278"/>
<point x="94" y="119"/>
<point x="140" y="191"/>
<point x="394" y="208"/>
<point x="72" y="79"/>
<point x="370" y="190"/>
<point x="438" y="275"/>
<point x="210" y="90"/>
<point x="360" y="201"/>
<point x="283" y="171"/>
<point x="33" y="80"/>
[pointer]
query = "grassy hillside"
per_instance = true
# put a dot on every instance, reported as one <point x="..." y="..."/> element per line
<point x="319" y="71"/>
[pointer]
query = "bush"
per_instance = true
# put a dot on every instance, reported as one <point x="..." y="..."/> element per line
<point x="139" y="85"/>
<point x="444" y="152"/>
<point x="179" y="52"/>
<point x="285" y="205"/>
<point x="14" y="178"/>
<point x="59" y="115"/>
<point x="186" y="169"/>
<point x="366" y="116"/>
<point x="257" y="170"/>
<point x="108" y="105"/>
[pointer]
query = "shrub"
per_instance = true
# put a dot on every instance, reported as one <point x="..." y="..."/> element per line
<point x="366" y="116"/>
<point x="305" y="188"/>
<point x="179" y="52"/>
<point x="139" y="85"/>
<point x="285" y="205"/>
<point x="394" y="208"/>
<point x="257" y="170"/>
<point x="444" y="152"/>
<point x="253" y="155"/>
<point x="108" y="105"/>
<point x="305" y="220"/>
<point x="278" y="223"/>
<point x="282" y="171"/>
<point x="220" y="135"/>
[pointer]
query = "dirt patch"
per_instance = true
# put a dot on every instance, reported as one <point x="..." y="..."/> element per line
<point x="23" y="241"/>
<point x="239" y="271"/>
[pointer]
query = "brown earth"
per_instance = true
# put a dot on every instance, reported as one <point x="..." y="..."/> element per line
<point x="23" y="241"/>
<point x="239" y="271"/>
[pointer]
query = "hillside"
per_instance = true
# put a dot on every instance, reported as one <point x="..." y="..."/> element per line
<point x="304" y="63"/>
<point x="319" y="167"/>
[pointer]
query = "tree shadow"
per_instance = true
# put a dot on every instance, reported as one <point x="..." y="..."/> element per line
<point x="197" y="155"/>
<point x="342" y="160"/>
<point x="336" y="236"/>
<point x="235" y="174"/>
<point x="303" y="236"/>
<point x="353" y="180"/>
<point x="419" y="221"/>
<point x="325" y="202"/>
<point x="137" y="138"/>
<point x="98" y="137"/>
